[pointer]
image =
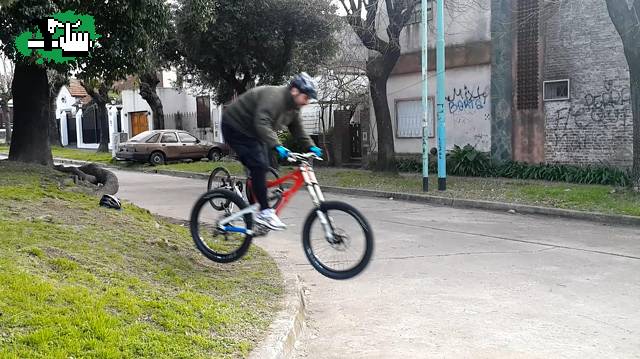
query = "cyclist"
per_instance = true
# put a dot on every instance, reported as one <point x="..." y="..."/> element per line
<point x="249" y="123"/>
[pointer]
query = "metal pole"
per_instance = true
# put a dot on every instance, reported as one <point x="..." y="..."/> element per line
<point x="425" y="99"/>
<point x="442" y="133"/>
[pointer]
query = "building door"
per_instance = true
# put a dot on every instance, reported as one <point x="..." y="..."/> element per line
<point x="356" y="140"/>
<point x="139" y="122"/>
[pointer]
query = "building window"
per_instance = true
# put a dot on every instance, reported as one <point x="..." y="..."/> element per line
<point x="409" y="118"/>
<point x="203" y="111"/>
<point x="416" y="16"/>
<point x="556" y="90"/>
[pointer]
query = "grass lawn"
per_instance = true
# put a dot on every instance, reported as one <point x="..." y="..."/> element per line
<point x="73" y="154"/>
<point x="603" y="199"/>
<point x="81" y="281"/>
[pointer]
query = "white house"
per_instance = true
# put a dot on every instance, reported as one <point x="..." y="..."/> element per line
<point x="197" y="114"/>
<point x="468" y="79"/>
<point x="77" y="121"/>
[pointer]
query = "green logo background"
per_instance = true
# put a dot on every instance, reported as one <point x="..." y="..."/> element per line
<point x="55" y="55"/>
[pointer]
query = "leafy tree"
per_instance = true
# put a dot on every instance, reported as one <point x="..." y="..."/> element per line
<point x="127" y="29"/>
<point x="232" y="46"/>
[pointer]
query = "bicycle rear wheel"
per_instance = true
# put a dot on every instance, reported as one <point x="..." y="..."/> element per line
<point x="219" y="245"/>
<point x="219" y="178"/>
<point x="349" y="251"/>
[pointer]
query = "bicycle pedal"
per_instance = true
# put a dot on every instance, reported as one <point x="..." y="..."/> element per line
<point x="259" y="230"/>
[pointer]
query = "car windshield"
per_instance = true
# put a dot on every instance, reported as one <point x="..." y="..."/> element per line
<point x="140" y="137"/>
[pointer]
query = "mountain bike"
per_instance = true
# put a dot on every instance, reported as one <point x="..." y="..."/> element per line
<point x="336" y="238"/>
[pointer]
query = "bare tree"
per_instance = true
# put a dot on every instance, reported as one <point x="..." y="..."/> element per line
<point x="365" y="19"/>
<point x="625" y="15"/>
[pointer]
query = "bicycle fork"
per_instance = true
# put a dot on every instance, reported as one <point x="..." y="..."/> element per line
<point x="317" y="198"/>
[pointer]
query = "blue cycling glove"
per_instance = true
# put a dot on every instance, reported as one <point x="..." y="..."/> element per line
<point x="283" y="152"/>
<point x="316" y="150"/>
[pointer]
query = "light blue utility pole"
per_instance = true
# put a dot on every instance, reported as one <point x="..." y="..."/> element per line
<point x="440" y="69"/>
<point x="425" y="98"/>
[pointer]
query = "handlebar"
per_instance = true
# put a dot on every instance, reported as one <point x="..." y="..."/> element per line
<point x="298" y="157"/>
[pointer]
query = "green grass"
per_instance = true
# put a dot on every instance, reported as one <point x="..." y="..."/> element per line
<point x="78" y="280"/>
<point x="73" y="154"/>
<point x="604" y="199"/>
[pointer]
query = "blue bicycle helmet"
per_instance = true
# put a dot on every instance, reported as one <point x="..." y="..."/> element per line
<point x="305" y="84"/>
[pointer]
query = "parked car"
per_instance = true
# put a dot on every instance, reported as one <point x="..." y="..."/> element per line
<point x="159" y="146"/>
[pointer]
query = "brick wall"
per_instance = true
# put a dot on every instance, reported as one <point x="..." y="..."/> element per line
<point x="595" y="125"/>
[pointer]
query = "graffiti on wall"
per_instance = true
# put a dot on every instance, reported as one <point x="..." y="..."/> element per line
<point x="610" y="106"/>
<point x="467" y="99"/>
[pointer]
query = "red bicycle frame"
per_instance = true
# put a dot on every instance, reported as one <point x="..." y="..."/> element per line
<point x="298" y="177"/>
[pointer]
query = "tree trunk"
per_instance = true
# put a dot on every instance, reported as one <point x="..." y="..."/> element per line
<point x="378" y="71"/>
<point x="625" y="19"/>
<point x="148" y="84"/>
<point x="386" y="148"/>
<point x="103" y="118"/>
<point x="30" y="140"/>
<point x="100" y="98"/>
<point x="54" y="129"/>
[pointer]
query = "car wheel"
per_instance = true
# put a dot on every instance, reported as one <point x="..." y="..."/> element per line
<point x="215" y="155"/>
<point x="157" y="159"/>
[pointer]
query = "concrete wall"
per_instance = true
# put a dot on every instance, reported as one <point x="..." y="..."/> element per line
<point x="467" y="107"/>
<point x="595" y="124"/>
<point x="466" y="21"/>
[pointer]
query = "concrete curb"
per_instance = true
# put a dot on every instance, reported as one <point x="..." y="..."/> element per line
<point x="450" y="201"/>
<point x="289" y="323"/>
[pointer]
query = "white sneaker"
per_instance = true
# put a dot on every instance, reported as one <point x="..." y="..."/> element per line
<point x="268" y="218"/>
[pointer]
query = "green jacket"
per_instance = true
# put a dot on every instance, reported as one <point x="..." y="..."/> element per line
<point x="263" y="110"/>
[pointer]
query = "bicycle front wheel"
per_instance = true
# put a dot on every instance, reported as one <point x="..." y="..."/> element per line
<point x="220" y="245"/>
<point x="342" y="248"/>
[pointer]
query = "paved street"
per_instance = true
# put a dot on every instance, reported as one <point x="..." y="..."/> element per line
<point x="454" y="283"/>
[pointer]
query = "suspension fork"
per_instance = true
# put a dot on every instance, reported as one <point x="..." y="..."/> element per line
<point x="317" y="198"/>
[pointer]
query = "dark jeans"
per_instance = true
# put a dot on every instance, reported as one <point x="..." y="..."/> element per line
<point x="253" y="155"/>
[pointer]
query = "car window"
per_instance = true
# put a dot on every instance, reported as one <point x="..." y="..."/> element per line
<point x="153" y="139"/>
<point x="169" y="138"/>
<point x="140" y="137"/>
<point x="187" y="138"/>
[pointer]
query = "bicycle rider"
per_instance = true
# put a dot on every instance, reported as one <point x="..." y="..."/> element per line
<point x="249" y="123"/>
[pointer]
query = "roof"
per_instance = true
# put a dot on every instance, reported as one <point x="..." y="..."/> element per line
<point x="128" y="84"/>
<point x="76" y="89"/>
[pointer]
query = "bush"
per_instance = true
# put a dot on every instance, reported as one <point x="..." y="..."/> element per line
<point x="467" y="161"/>
<point x="603" y="175"/>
